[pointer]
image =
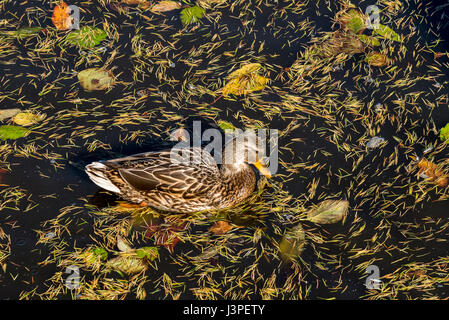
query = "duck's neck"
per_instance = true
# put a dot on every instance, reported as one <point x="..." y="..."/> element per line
<point x="234" y="169"/>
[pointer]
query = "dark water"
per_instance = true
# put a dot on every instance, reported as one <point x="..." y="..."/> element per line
<point x="40" y="178"/>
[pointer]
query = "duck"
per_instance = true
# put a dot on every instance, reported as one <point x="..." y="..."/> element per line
<point x="185" y="179"/>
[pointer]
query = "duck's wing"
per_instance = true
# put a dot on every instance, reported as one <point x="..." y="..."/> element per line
<point x="187" y="171"/>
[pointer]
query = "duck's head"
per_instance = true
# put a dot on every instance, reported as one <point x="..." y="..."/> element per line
<point x="246" y="148"/>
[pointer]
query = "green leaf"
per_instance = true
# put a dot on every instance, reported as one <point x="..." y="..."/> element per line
<point x="12" y="132"/>
<point x="371" y="41"/>
<point x="444" y="133"/>
<point x="22" y="33"/>
<point x="387" y="33"/>
<point x="292" y="244"/>
<point x="353" y="20"/>
<point x="149" y="253"/>
<point x="86" y="37"/>
<point x="224" y="125"/>
<point x="192" y="14"/>
<point x="101" y="253"/>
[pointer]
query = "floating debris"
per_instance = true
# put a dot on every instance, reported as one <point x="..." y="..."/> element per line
<point x="27" y="118"/>
<point x="375" y="142"/>
<point x="8" y="113"/>
<point x="376" y="59"/>
<point x="165" y="6"/>
<point x="220" y="227"/>
<point x="431" y="171"/>
<point x="95" y="79"/>
<point x="9" y="132"/>
<point x="352" y="102"/>
<point x="192" y="15"/>
<point x="86" y="38"/>
<point x="245" y="80"/>
<point x="329" y="211"/>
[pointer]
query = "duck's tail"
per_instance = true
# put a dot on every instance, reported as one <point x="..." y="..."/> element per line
<point x="97" y="173"/>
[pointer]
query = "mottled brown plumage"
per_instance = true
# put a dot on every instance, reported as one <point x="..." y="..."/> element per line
<point x="192" y="183"/>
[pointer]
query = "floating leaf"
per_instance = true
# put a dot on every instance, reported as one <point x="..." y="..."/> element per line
<point x="164" y="6"/>
<point x="131" y="261"/>
<point x="92" y="257"/>
<point x="329" y="211"/>
<point x="12" y="132"/>
<point x="376" y="59"/>
<point x="387" y="33"/>
<point x="220" y="227"/>
<point x="123" y="245"/>
<point x="27" y="118"/>
<point x="192" y="14"/>
<point x="166" y="235"/>
<point x="433" y="173"/>
<point x="87" y="37"/>
<point x="144" y="4"/>
<point x="342" y="42"/>
<point x="444" y="133"/>
<point x="127" y="264"/>
<point x="95" y="79"/>
<point x="22" y="33"/>
<point x="101" y="253"/>
<point x="8" y="113"/>
<point x="224" y="125"/>
<point x="292" y="243"/>
<point x="353" y="20"/>
<point x="149" y="253"/>
<point x="245" y="80"/>
<point x="368" y="40"/>
<point x="437" y="55"/>
<point x="61" y="17"/>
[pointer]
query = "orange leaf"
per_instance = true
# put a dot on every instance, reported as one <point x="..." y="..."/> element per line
<point x="61" y="18"/>
<point x="220" y="227"/>
<point x="433" y="172"/>
<point x="437" y="55"/>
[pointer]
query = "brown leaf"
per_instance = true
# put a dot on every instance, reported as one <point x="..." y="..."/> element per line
<point x="165" y="235"/>
<point x="376" y="59"/>
<point x="342" y="42"/>
<point x="164" y="6"/>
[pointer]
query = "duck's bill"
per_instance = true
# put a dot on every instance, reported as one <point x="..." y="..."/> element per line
<point x="262" y="169"/>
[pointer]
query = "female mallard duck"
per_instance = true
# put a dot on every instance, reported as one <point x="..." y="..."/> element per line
<point x="163" y="181"/>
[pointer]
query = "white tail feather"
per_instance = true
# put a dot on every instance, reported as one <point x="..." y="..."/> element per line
<point x="95" y="171"/>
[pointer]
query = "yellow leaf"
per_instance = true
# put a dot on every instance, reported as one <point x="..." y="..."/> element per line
<point x="245" y="80"/>
<point x="27" y="118"/>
